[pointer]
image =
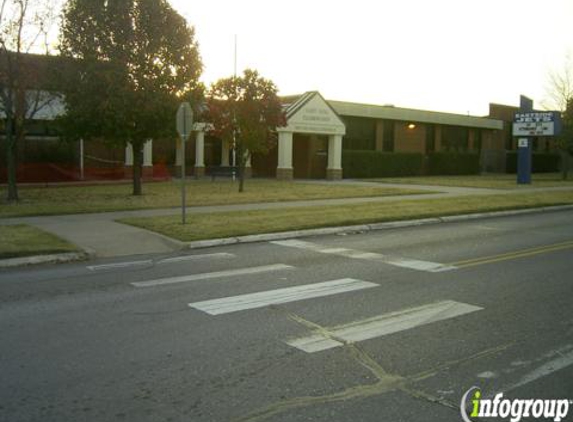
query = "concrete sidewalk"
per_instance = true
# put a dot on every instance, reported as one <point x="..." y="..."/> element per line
<point x="101" y="236"/>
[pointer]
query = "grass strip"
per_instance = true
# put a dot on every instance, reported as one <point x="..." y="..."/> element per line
<point x="102" y="198"/>
<point x="23" y="240"/>
<point x="488" y="181"/>
<point x="229" y="224"/>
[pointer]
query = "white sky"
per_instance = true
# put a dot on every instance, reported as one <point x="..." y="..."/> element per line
<point x="443" y="55"/>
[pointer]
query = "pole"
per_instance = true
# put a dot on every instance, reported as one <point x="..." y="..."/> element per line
<point x="81" y="158"/>
<point x="524" y="147"/>
<point x="183" y="180"/>
<point x="234" y="116"/>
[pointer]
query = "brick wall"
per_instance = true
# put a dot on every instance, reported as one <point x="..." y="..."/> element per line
<point x="409" y="140"/>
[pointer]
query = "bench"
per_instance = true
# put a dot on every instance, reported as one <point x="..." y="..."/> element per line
<point x="222" y="171"/>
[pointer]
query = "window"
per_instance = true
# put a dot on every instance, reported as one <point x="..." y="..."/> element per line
<point x="430" y="139"/>
<point x="360" y="133"/>
<point x="388" y="145"/>
<point x="478" y="139"/>
<point x="455" y="138"/>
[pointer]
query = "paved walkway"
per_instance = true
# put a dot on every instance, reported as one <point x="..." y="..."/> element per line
<point x="100" y="235"/>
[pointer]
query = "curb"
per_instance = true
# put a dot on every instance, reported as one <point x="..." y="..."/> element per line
<point x="44" y="259"/>
<point x="266" y="237"/>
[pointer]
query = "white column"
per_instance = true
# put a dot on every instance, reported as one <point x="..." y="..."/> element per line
<point x="178" y="152"/>
<point x="200" y="149"/>
<point x="248" y="162"/>
<point x="285" y="151"/>
<point x="129" y="154"/>
<point x="224" y="154"/>
<point x="335" y="152"/>
<point x="148" y="153"/>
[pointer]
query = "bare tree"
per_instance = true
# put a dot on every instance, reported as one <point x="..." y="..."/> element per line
<point x="560" y="97"/>
<point x="559" y="87"/>
<point x="24" y="30"/>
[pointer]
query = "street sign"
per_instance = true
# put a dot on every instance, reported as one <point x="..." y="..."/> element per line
<point x="184" y="120"/>
<point x="535" y="124"/>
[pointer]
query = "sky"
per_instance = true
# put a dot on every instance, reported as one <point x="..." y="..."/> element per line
<point x="444" y="55"/>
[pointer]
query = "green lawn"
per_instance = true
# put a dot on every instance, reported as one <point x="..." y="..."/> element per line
<point x="228" y="224"/>
<point x="490" y="181"/>
<point x="23" y="240"/>
<point x="101" y="198"/>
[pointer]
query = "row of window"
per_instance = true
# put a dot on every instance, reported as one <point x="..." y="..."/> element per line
<point x="361" y="135"/>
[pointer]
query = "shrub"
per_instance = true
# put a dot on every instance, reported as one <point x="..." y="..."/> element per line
<point x="541" y="162"/>
<point x="452" y="163"/>
<point x="365" y="164"/>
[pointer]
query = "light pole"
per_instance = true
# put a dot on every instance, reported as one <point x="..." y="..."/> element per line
<point x="184" y="128"/>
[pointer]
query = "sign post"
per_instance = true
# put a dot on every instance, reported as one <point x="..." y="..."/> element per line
<point x="524" y="144"/>
<point x="526" y="125"/>
<point x="184" y="127"/>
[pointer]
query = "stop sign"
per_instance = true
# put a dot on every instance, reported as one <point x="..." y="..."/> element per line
<point x="184" y="120"/>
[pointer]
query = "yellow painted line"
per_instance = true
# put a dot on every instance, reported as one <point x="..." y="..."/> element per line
<point x="523" y="253"/>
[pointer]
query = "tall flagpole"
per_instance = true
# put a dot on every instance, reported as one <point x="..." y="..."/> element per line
<point x="235" y="117"/>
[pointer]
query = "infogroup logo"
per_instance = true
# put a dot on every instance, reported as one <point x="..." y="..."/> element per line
<point x="511" y="409"/>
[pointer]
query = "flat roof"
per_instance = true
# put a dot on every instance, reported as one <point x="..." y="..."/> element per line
<point x="344" y="108"/>
<point x="390" y="112"/>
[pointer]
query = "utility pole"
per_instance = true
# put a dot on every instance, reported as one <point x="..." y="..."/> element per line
<point x="234" y="164"/>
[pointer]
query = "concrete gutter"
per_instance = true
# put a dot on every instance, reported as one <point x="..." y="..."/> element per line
<point x="266" y="237"/>
<point x="44" y="259"/>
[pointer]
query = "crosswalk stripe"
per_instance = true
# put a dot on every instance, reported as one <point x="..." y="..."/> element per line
<point x="285" y="295"/>
<point x="413" y="264"/>
<point x="220" y="255"/>
<point x="217" y="274"/>
<point x="381" y="325"/>
<point x="126" y="264"/>
<point x="117" y="265"/>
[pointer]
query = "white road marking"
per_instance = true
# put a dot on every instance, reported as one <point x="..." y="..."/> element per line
<point x="208" y="276"/>
<point x="221" y="255"/>
<point x="557" y="364"/>
<point x="119" y="265"/>
<point x="274" y="297"/>
<point x="487" y="375"/>
<point x="382" y="325"/>
<point x="160" y="262"/>
<point x="413" y="264"/>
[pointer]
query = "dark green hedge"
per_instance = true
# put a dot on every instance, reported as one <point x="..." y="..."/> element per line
<point x="364" y="164"/>
<point x="452" y="163"/>
<point x="541" y="162"/>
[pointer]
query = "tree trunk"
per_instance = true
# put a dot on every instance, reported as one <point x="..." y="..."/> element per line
<point x="564" y="163"/>
<point x="242" y="162"/>
<point x="137" y="167"/>
<point x="11" y="162"/>
<point x="241" y="176"/>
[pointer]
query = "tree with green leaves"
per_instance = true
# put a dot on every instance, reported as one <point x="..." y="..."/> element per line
<point x="134" y="61"/>
<point x="245" y="111"/>
<point x="26" y="88"/>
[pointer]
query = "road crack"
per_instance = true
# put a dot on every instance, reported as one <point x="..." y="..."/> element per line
<point x="385" y="383"/>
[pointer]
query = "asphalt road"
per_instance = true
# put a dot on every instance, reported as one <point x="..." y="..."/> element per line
<point x="395" y="325"/>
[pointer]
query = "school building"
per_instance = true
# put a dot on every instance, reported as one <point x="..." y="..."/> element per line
<point x="318" y="132"/>
<point x="322" y="139"/>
